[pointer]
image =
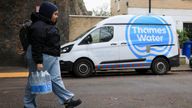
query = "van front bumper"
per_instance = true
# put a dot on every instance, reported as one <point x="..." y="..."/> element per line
<point x="66" y="65"/>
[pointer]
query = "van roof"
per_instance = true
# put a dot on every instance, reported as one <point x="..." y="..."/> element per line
<point x="125" y="20"/>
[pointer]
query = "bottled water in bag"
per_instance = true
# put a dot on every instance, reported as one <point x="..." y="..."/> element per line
<point x="40" y="84"/>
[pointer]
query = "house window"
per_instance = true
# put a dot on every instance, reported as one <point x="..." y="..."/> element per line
<point x="188" y="28"/>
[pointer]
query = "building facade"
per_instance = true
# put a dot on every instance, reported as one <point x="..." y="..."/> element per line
<point x="180" y="10"/>
<point x="119" y="7"/>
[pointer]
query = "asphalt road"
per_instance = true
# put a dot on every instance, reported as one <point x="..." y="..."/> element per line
<point x="114" y="90"/>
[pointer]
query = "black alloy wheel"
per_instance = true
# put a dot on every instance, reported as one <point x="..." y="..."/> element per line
<point x="160" y="66"/>
<point x="83" y="68"/>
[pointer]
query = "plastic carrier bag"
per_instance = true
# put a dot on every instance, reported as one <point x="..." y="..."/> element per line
<point x="40" y="82"/>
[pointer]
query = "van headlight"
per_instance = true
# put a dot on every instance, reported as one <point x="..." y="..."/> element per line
<point x="66" y="49"/>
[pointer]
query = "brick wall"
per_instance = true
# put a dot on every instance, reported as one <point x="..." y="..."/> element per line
<point x="160" y="4"/>
<point x="79" y="24"/>
<point x="166" y="4"/>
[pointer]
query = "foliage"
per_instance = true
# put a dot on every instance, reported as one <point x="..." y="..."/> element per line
<point x="102" y="11"/>
<point x="189" y="33"/>
<point x="183" y="36"/>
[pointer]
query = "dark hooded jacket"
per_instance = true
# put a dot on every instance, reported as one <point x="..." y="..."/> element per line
<point x="44" y="38"/>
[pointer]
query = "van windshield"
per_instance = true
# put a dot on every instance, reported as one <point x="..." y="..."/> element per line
<point x="83" y="34"/>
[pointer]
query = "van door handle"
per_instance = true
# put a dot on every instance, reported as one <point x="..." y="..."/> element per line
<point x="113" y="44"/>
<point x="123" y="43"/>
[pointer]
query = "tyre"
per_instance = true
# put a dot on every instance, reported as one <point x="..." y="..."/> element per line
<point x="83" y="68"/>
<point x="141" y="71"/>
<point x="160" y="66"/>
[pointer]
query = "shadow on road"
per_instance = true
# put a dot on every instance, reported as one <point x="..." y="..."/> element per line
<point x="116" y="73"/>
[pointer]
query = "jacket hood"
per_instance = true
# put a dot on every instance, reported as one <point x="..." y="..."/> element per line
<point x="47" y="9"/>
<point x="37" y="17"/>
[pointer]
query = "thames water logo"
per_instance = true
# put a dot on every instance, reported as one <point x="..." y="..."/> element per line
<point x="148" y="31"/>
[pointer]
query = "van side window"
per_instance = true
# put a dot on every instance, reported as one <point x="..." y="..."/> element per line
<point x="106" y="34"/>
<point x="95" y="36"/>
<point x="103" y="34"/>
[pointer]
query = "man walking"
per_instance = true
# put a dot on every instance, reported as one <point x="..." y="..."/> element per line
<point x="43" y="53"/>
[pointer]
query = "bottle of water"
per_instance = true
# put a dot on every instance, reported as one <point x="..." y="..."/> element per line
<point x="42" y="83"/>
<point x="38" y="82"/>
<point x="48" y="82"/>
<point x="34" y="80"/>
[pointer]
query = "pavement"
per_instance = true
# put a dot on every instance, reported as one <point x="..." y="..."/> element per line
<point x="13" y="72"/>
<point x="17" y="72"/>
<point x="182" y="68"/>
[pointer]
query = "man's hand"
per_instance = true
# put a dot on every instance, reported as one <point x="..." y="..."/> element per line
<point x="39" y="66"/>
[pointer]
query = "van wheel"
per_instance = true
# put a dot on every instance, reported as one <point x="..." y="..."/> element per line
<point x="141" y="71"/>
<point x="160" y="66"/>
<point x="83" y="68"/>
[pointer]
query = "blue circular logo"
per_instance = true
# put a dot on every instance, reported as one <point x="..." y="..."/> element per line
<point x="148" y="33"/>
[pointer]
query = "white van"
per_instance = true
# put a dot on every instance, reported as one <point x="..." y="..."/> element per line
<point x="124" y="42"/>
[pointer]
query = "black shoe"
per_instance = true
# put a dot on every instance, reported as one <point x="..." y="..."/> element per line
<point x="73" y="103"/>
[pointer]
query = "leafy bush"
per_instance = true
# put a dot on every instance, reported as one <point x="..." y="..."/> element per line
<point x="183" y="36"/>
<point x="189" y="34"/>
